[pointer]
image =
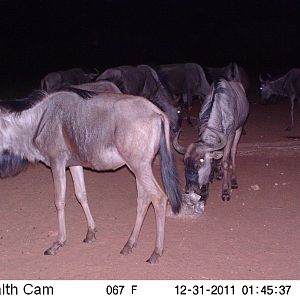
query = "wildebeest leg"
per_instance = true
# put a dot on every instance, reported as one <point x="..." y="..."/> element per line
<point x="148" y="191"/>
<point x="59" y="179"/>
<point x="289" y="128"/>
<point x="80" y="191"/>
<point x="160" y="205"/>
<point x="187" y="100"/>
<point x="143" y="202"/>
<point x="234" y="184"/>
<point x="225" y="166"/>
<point x="218" y="173"/>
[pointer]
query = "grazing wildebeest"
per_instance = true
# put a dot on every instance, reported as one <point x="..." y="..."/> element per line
<point x="101" y="86"/>
<point x="184" y="81"/>
<point x="231" y="72"/>
<point x="104" y="132"/>
<point x="55" y="81"/>
<point x="285" y="86"/>
<point x="143" y="81"/>
<point x="220" y="125"/>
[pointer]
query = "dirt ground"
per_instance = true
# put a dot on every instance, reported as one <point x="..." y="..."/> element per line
<point x="256" y="235"/>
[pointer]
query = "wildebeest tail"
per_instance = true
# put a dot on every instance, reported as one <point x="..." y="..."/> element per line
<point x="169" y="170"/>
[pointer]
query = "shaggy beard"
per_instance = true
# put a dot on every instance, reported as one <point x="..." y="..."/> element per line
<point x="11" y="164"/>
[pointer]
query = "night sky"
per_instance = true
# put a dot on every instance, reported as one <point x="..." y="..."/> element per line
<point x="42" y="36"/>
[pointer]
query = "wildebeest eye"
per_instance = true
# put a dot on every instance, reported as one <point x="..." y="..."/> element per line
<point x="178" y="111"/>
<point x="261" y="88"/>
<point x="201" y="161"/>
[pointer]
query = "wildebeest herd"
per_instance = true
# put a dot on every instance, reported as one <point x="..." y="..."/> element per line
<point x="125" y="116"/>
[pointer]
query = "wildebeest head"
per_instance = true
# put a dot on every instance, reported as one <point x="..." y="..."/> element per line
<point x="12" y="161"/>
<point x="155" y="91"/>
<point x="175" y="118"/>
<point x="55" y="81"/>
<point x="266" y="88"/>
<point x="198" y="161"/>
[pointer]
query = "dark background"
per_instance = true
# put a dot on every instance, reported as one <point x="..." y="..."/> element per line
<point x="42" y="36"/>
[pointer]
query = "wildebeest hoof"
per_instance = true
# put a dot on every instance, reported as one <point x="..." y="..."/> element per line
<point x="127" y="249"/>
<point x="234" y="184"/>
<point x="153" y="258"/>
<point x="49" y="252"/>
<point x="54" y="248"/>
<point x="90" y="236"/>
<point x="225" y="196"/>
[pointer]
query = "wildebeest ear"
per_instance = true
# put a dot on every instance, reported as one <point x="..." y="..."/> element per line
<point x="216" y="154"/>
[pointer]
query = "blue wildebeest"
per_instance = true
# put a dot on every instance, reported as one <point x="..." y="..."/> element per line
<point x="221" y="120"/>
<point x="285" y="86"/>
<point x="143" y="81"/>
<point x="231" y="72"/>
<point x="101" y="86"/>
<point x="55" y="81"/>
<point x="184" y="81"/>
<point x="104" y="132"/>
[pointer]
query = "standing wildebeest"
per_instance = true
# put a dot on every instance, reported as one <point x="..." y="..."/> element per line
<point x="231" y="72"/>
<point x="143" y="81"/>
<point x="55" y="81"/>
<point x="101" y="132"/>
<point x="220" y="125"/>
<point x="184" y="81"/>
<point x="285" y="86"/>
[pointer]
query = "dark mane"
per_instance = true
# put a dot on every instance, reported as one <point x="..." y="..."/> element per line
<point x="207" y="107"/>
<point x="82" y="93"/>
<point x="19" y="105"/>
<point x="163" y="80"/>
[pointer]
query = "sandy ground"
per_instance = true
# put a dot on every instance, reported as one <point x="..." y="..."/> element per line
<point x="256" y="235"/>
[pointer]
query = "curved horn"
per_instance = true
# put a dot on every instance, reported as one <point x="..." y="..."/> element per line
<point x="269" y="76"/>
<point x="221" y="136"/>
<point x="180" y="149"/>
<point x="211" y="148"/>
<point x="260" y="78"/>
